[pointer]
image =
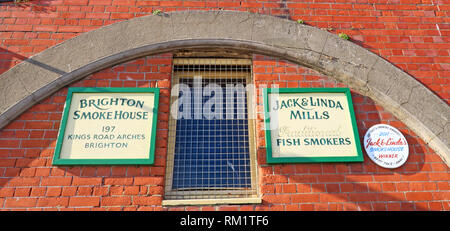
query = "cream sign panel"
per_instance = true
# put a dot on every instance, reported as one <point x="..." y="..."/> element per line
<point x="105" y="124"/>
<point x="311" y="125"/>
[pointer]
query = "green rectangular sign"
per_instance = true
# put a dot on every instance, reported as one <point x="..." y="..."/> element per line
<point x="108" y="126"/>
<point x="310" y="125"/>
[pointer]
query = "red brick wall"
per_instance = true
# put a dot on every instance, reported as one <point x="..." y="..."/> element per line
<point x="29" y="181"/>
<point x="412" y="34"/>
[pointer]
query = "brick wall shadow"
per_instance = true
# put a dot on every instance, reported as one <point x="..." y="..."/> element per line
<point x="8" y="59"/>
<point x="41" y="6"/>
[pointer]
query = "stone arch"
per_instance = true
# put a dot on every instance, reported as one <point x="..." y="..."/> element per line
<point x="43" y="74"/>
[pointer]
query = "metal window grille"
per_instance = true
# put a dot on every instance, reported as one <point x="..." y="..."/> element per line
<point x="211" y="152"/>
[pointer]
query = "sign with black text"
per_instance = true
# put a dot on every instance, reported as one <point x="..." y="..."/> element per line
<point x="108" y="126"/>
<point x="310" y="125"/>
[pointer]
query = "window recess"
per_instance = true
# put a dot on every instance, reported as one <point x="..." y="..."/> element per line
<point x="211" y="146"/>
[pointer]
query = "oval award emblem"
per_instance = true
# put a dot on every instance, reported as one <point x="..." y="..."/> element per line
<point x="386" y="146"/>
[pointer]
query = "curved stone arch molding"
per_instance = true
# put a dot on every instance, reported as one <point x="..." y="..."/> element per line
<point x="43" y="74"/>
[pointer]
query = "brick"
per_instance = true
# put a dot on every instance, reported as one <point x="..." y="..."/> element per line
<point x="101" y="2"/>
<point x="18" y="182"/>
<point x="303" y="188"/>
<point x="260" y="77"/>
<point x="438" y="176"/>
<point x="53" y="202"/>
<point x="435" y="206"/>
<point x="318" y="188"/>
<point x="334" y="197"/>
<point x="123" y="2"/>
<point x="119" y="181"/>
<point x="147" y="3"/>
<point x="156" y="190"/>
<point x="305" y="198"/>
<point x="73" y="29"/>
<point x="289" y="188"/>
<point x="345" y="187"/>
<point x="50" y="28"/>
<point x="419" y="196"/>
<point x="20" y="202"/>
<point x="387" y="178"/>
<point x="148" y="180"/>
<point x="37" y="192"/>
<point x="275" y="179"/>
<point x="228" y="208"/>
<point x="147" y="200"/>
<point x="330" y="178"/>
<point x="164" y="84"/>
<point x="443" y="185"/>
<point x="416" y="177"/>
<point x="16" y="42"/>
<point x="116" y="190"/>
<point x="211" y="208"/>
<point x="276" y="199"/>
<point x="333" y="188"/>
<point x="440" y="196"/>
<point x="121" y="15"/>
<point x="42" y="172"/>
<point x="100" y="191"/>
<point x="118" y="170"/>
<point x="9" y="143"/>
<point x="79" y="181"/>
<point x="6" y="192"/>
<point x="388" y="187"/>
<point x="394" y="196"/>
<point x="35" y="143"/>
<point x="54" y="191"/>
<point x="7" y="162"/>
<point x="76" y="2"/>
<point x="84" y="201"/>
<point x="267" y="189"/>
<point x="363" y="197"/>
<point x="131" y="190"/>
<point x="84" y="191"/>
<point x="30" y="162"/>
<point x="28" y="172"/>
<point x="22" y="192"/>
<point x="116" y="201"/>
<point x="56" y="181"/>
<point x="19" y="28"/>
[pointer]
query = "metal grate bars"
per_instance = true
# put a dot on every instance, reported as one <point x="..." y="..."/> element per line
<point x="209" y="136"/>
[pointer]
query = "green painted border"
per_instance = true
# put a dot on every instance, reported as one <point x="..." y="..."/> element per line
<point x="62" y="128"/>
<point x="279" y="160"/>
